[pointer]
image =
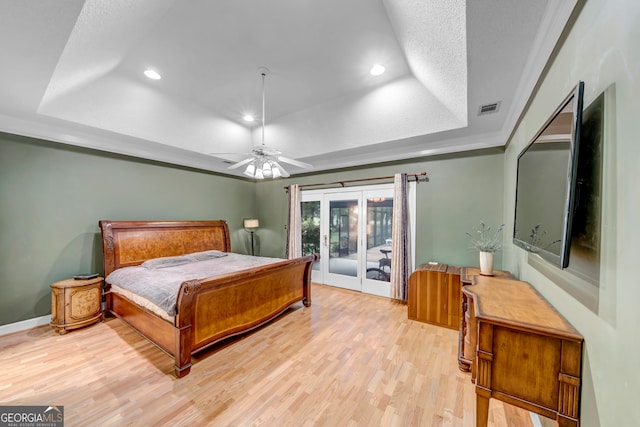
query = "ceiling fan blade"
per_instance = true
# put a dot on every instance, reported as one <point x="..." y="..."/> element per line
<point x="242" y="163"/>
<point x="295" y="162"/>
<point x="231" y="157"/>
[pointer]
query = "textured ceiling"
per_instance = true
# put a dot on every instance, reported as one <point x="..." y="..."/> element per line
<point x="73" y="74"/>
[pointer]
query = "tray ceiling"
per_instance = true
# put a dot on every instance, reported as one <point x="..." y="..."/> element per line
<point x="74" y="74"/>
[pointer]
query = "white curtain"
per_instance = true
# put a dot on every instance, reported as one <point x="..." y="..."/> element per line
<point x="294" y="223"/>
<point x="400" y="249"/>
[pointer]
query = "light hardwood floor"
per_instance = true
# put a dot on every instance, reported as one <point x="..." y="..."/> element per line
<point x="348" y="360"/>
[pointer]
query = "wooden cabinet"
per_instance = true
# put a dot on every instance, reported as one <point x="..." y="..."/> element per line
<point x="75" y="303"/>
<point x="526" y="355"/>
<point x="434" y="295"/>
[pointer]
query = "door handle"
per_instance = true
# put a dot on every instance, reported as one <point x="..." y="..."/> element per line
<point x="326" y="241"/>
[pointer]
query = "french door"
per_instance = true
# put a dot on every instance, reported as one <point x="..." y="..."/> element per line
<point x="351" y="230"/>
<point x="341" y="243"/>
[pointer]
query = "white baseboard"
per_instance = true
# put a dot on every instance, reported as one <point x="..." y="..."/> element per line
<point x="24" y="325"/>
<point x="535" y="419"/>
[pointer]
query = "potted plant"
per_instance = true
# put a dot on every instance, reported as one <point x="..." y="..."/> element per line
<point x="487" y="241"/>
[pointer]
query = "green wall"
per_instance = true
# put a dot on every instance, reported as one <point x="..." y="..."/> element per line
<point x="52" y="196"/>
<point x="463" y="189"/>
<point x="602" y="48"/>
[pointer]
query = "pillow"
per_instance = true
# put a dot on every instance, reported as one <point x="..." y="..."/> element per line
<point x="205" y="255"/>
<point x="170" y="261"/>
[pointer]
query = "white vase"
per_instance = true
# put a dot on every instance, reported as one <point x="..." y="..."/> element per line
<point x="486" y="263"/>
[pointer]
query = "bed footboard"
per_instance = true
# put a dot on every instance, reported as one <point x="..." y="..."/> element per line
<point x="213" y="309"/>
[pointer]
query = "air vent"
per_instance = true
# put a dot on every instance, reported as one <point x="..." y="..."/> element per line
<point x="489" y="108"/>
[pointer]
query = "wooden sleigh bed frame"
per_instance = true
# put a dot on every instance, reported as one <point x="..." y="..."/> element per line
<point x="208" y="310"/>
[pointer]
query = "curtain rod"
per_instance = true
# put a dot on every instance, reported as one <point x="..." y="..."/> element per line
<point x="416" y="176"/>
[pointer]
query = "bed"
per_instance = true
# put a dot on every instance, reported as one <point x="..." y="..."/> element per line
<point x="207" y="310"/>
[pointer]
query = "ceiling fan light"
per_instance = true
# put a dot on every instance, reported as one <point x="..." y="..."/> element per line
<point x="275" y="170"/>
<point x="259" y="174"/>
<point x="250" y="170"/>
<point x="266" y="168"/>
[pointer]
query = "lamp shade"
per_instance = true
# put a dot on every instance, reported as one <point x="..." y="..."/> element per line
<point x="251" y="223"/>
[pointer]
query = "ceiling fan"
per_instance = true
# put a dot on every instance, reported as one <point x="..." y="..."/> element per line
<point x="263" y="161"/>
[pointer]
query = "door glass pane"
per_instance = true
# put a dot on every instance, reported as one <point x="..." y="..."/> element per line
<point x="311" y="230"/>
<point x="343" y="237"/>
<point x="379" y="215"/>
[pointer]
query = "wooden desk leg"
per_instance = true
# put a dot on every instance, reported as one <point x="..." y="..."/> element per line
<point x="566" y="422"/>
<point x="482" y="411"/>
<point x="483" y="365"/>
<point x="569" y="384"/>
<point x="569" y="389"/>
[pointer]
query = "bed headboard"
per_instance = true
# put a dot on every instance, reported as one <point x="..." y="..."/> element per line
<point x="127" y="243"/>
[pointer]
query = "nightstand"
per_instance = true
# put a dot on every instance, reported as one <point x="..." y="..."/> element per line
<point x="75" y="303"/>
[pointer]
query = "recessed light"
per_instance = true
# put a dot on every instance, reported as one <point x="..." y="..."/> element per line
<point x="377" y="70"/>
<point x="152" y="74"/>
<point x="248" y="118"/>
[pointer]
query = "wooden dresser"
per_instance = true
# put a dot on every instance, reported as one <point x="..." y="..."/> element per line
<point x="434" y="295"/>
<point x="527" y="354"/>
